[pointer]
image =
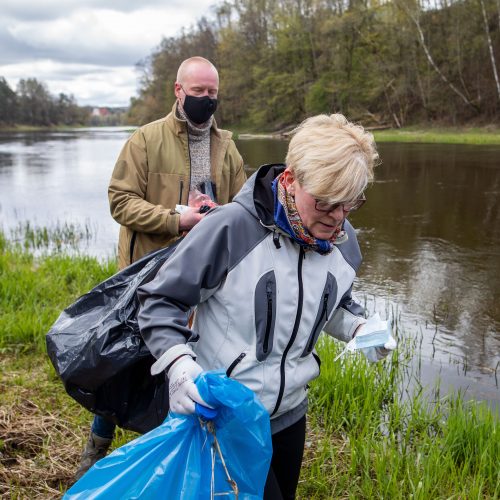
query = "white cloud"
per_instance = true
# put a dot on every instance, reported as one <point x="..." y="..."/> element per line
<point x="90" y="50"/>
<point x="90" y="84"/>
<point x="103" y="35"/>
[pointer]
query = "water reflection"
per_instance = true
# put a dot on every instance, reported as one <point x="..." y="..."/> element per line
<point x="57" y="178"/>
<point x="6" y="162"/>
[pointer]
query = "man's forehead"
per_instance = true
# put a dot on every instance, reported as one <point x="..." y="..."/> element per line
<point x="201" y="74"/>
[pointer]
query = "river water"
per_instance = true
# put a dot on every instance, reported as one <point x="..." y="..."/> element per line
<point x="429" y="233"/>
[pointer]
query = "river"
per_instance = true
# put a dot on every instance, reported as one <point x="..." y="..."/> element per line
<point x="429" y="233"/>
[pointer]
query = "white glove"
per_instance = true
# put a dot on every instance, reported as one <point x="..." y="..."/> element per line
<point x="182" y="390"/>
<point x="377" y="328"/>
<point x="374" y="354"/>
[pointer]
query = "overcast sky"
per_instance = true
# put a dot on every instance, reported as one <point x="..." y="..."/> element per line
<point x="88" y="48"/>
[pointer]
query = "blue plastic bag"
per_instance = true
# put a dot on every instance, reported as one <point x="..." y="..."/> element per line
<point x="176" y="460"/>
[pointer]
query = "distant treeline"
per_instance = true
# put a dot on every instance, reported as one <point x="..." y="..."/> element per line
<point x="380" y="62"/>
<point x="32" y="104"/>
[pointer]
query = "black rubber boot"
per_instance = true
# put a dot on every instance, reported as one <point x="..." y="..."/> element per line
<point x="95" y="449"/>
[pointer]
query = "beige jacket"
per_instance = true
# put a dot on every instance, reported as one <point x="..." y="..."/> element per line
<point x="152" y="175"/>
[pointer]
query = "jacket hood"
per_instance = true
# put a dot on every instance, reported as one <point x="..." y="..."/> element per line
<point x="256" y="195"/>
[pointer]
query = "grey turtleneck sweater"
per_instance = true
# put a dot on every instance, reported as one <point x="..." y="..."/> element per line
<point x="199" y="150"/>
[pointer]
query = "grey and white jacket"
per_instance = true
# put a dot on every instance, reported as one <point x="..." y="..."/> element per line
<point x="261" y="300"/>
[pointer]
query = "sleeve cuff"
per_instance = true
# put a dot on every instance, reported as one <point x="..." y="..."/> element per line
<point x="169" y="356"/>
<point x="173" y="219"/>
<point x="343" y="324"/>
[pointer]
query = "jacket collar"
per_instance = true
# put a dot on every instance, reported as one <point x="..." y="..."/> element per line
<point x="256" y="195"/>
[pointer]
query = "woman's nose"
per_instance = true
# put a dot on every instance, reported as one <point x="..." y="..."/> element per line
<point x="338" y="213"/>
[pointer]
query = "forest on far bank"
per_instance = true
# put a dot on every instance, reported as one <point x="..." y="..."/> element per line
<point x="383" y="63"/>
<point x="32" y="105"/>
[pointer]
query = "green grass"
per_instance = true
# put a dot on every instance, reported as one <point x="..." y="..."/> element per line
<point x="474" y="136"/>
<point x="38" y="128"/>
<point x="421" y="134"/>
<point x="371" y="444"/>
<point x="33" y="291"/>
<point x="364" y="440"/>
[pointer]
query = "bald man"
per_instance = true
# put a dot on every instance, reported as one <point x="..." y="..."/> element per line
<point x="158" y="167"/>
<point x="164" y="160"/>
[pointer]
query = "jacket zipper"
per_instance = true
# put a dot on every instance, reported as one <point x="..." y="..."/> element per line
<point x="324" y="313"/>
<point x="294" y="332"/>
<point x="233" y="365"/>
<point x="132" y="245"/>
<point x="190" y="162"/>
<point x="181" y="188"/>
<point x="269" y="321"/>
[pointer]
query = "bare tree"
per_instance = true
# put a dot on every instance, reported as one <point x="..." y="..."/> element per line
<point x="421" y="39"/>
<point x="490" y="47"/>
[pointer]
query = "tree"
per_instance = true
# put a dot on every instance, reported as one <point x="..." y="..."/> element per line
<point x="490" y="47"/>
<point x="397" y="62"/>
<point x="35" y="102"/>
<point x="8" y="103"/>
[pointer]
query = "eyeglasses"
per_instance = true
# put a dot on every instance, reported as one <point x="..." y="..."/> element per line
<point x="347" y="206"/>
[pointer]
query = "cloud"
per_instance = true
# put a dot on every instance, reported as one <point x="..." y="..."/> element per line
<point x="89" y="46"/>
<point x="35" y="10"/>
<point x="92" y="85"/>
<point x="99" y="36"/>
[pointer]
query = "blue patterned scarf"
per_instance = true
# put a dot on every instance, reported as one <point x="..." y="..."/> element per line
<point x="287" y="218"/>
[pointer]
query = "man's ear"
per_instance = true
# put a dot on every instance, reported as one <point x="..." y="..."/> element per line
<point x="177" y="90"/>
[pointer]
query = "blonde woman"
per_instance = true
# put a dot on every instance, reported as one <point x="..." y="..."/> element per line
<point x="267" y="273"/>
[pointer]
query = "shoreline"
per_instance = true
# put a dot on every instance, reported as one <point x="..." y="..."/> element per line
<point x="483" y="136"/>
<point x="474" y="136"/>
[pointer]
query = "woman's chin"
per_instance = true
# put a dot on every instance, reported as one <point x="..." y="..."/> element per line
<point x="323" y="235"/>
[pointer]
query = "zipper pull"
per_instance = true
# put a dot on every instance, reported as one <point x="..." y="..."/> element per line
<point x="276" y="239"/>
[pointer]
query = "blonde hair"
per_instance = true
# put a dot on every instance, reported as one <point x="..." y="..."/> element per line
<point x="332" y="158"/>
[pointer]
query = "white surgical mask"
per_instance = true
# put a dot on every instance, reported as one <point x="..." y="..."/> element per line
<point x="374" y="333"/>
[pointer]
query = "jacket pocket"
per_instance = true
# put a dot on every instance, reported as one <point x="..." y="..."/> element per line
<point x="265" y="314"/>
<point x="328" y="299"/>
<point x="234" y="364"/>
<point x="167" y="190"/>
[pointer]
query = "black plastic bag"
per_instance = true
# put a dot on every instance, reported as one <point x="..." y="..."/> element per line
<point x="97" y="350"/>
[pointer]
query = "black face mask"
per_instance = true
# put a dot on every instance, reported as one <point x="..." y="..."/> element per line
<point x="199" y="109"/>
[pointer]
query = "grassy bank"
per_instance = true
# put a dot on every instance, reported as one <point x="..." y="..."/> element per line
<point x="38" y="128"/>
<point x="421" y="134"/>
<point x="480" y="136"/>
<point x="362" y="442"/>
<point x="476" y="136"/>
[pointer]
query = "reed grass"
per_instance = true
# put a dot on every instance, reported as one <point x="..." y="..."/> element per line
<point x="368" y="435"/>
<point x="61" y="236"/>
<point x="370" y="442"/>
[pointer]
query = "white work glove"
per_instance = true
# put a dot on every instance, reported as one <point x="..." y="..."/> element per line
<point x="182" y="390"/>
<point x="375" y="326"/>
<point x="374" y="354"/>
<point x="373" y="338"/>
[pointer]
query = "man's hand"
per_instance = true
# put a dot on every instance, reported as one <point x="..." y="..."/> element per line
<point x="189" y="218"/>
<point x="182" y="390"/>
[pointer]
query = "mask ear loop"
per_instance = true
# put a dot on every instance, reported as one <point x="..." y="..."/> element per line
<point x="350" y="346"/>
